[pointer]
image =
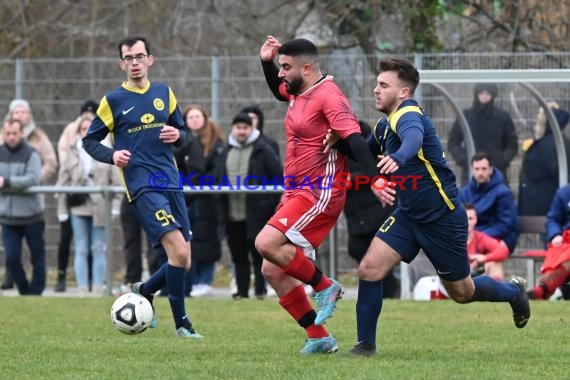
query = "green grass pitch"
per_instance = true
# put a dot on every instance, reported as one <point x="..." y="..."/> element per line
<point x="73" y="338"/>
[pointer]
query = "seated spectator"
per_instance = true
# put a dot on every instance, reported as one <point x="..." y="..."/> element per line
<point x="556" y="267"/>
<point x="539" y="170"/>
<point x="493" y="200"/>
<point x="484" y="251"/>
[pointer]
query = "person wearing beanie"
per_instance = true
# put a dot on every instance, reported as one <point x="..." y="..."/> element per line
<point x="64" y="146"/>
<point x="19" y="109"/>
<point x="539" y="170"/>
<point x="247" y="155"/>
<point x="258" y="120"/>
<point x="492" y="129"/>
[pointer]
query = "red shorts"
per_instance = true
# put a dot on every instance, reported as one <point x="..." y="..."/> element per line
<point x="304" y="220"/>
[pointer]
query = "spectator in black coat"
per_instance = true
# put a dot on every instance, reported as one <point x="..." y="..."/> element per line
<point x="364" y="215"/>
<point x="200" y="160"/>
<point x="539" y="171"/>
<point x="492" y="129"/>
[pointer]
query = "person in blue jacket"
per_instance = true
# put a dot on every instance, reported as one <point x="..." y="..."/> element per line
<point x="493" y="200"/>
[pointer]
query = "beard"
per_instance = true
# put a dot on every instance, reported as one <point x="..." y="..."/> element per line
<point x="294" y="86"/>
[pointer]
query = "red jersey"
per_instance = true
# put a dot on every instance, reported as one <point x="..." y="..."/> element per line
<point x="309" y="116"/>
<point x="483" y="244"/>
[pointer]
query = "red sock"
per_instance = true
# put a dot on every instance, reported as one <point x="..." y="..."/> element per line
<point x="297" y="304"/>
<point x="305" y="271"/>
<point x="550" y="281"/>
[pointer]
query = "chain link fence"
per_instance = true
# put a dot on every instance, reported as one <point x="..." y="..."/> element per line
<point x="56" y="88"/>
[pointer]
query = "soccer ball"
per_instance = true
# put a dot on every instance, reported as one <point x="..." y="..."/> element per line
<point x="131" y="313"/>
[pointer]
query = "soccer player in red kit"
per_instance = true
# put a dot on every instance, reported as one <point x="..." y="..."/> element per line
<point x="311" y="203"/>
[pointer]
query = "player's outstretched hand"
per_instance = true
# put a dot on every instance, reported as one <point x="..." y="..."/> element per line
<point x="384" y="191"/>
<point x="268" y="50"/>
<point x="169" y="135"/>
<point x="121" y="158"/>
<point x="387" y="165"/>
<point x="330" y="139"/>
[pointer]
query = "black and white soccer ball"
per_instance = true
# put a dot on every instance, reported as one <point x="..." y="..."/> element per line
<point x="131" y="313"/>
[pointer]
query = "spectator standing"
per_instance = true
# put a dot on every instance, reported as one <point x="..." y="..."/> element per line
<point x="21" y="215"/>
<point x="492" y="129"/>
<point x="258" y="120"/>
<point x="249" y="156"/>
<point x="198" y="159"/>
<point x="495" y="203"/>
<point x="66" y="140"/>
<point x="87" y="212"/>
<point x="34" y="136"/>
<point x="539" y="171"/>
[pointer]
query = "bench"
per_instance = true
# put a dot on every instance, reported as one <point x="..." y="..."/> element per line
<point x="533" y="257"/>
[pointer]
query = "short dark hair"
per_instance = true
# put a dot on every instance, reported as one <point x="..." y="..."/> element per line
<point x="130" y="41"/>
<point x="481" y="156"/>
<point x="16" y="121"/>
<point x="407" y="72"/>
<point x="297" y="47"/>
<point x="469" y="206"/>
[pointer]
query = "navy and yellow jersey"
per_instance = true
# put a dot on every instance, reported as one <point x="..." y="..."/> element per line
<point x="428" y="190"/>
<point x="134" y="117"/>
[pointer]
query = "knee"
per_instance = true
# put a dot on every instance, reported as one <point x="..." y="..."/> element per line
<point x="271" y="272"/>
<point x="262" y="244"/>
<point x="99" y="248"/>
<point x="367" y="270"/>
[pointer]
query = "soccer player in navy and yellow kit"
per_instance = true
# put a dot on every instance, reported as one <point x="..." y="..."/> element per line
<point x="145" y="121"/>
<point x="429" y="215"/>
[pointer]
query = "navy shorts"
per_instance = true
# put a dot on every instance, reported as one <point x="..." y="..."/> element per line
<point x="444" y="241"/>
<point x="161" y="211"/>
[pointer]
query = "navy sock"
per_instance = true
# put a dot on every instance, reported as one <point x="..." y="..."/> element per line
<point x="155" y="282"/>
<point x="489" y="289"/>
<point x="175" y="285"/>
<point x="368" y="308"/>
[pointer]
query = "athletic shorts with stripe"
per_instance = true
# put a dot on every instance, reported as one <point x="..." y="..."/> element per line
<point x="304" y="220"/>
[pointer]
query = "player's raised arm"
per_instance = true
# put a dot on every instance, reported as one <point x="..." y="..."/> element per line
<point x="267" y="54"/>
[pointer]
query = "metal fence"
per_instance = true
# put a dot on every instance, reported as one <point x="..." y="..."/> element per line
<point x="57" y="87"/>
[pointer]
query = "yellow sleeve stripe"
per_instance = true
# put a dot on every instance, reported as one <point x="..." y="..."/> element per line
<point x="172" y="102"/>
<point x="436" y="180"/>
<point x="395" y="116"/>
<point x="106" y="114"/>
